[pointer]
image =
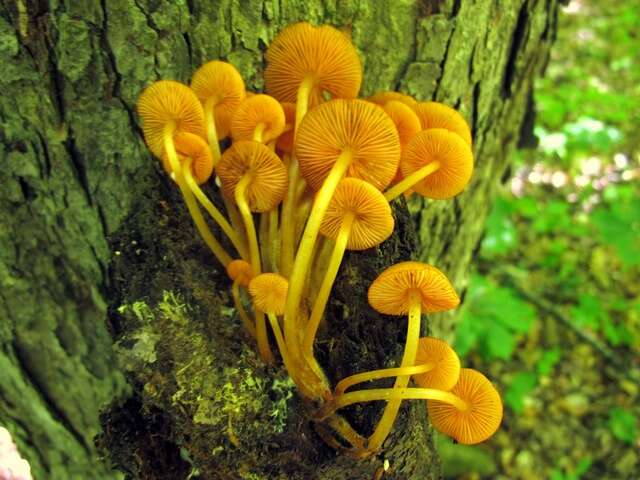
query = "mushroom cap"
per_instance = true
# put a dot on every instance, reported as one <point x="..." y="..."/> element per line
<point x="285" y="140"/>
<point x="192" y="146"/>
<point x="480" y="420"/>
<point x="390" y="293"/>
<point x="446" y="364"/>
<point x="323" y="53"/>
<point x="269" y="176"/>
<point x="373" y="222"/>
<point x="447" y="148"/>
<point x="253" y="111"/>
<point x="224" y="83"/>
<point x="439" y="115"/>
<point x="404" y="118"/>
<point x="356" y="125"/>
<point x="166" y="101"/>
<point x="269" y="292"/>
<point x="381" y="98"/>
<point x="240" y="271"/>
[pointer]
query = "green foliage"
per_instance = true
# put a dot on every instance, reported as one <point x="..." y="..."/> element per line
<point x="575" y="474"/>
<point x="493" y="318"/>
<point x="623" y="425"/>
<point x="521" y="385"/>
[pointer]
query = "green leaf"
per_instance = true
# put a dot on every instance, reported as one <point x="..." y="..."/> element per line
<point x="623" y="425"/>
<point x="548" y="360"/>
<point x="521" y="385"/>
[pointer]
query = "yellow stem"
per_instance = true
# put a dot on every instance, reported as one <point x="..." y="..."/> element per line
<point x="236" y="220"/>
<point x="302" y="100"/>
<point x="215" y="247"/>
<point x="246" y="321"/>
<point x="215" y="214"/>
<point x="274" y="244"/>
<point x="212" y="134"/>
<point x="390" y="395"/>
<point x="409" y="181"/>
<point x="259" y="132"/>
<point x="305" y="251"/>
<point x="341" y="426"/>
<point x="325" y="288"/>
<point x="352" y="380"/>
<point x="408" y="359"/>
<point x="254" y="254"/>
<point x="282" y="347"/>
<point x="288" y="223"/>
<point x="263" y="230"/>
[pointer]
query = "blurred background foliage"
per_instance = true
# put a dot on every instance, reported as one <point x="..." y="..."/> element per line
<point x="552" y="312"/>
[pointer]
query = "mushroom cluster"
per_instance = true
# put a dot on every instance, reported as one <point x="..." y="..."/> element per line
<point x="312" y="168"/>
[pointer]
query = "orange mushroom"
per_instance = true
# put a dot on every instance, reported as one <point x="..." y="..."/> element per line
<point x="436" y="366"/>
<point x="336" y="139"/>
<point x="357" y="218"/>
<point x="256" y="178"/>
<point x="259" y="118"/>
<point x="439" y="115"/>
<point x="405" y="120"/>
<point x="471" y="413"/>
<point x="436" y="164"/>
<point x="196" y="163"/>
<point x="304" y="61"/>
<point x="408" y="288"/>
<point x="167" y="108"/>
<point x="220" y="88"/>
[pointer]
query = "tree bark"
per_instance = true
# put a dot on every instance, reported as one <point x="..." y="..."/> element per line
<point x="74" y="167"/>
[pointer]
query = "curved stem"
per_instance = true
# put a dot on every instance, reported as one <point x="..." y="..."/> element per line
<point x="215" y="214"/>
<point x="235" y="219"/>
<point x="246" y="321"/>
<point x="408" y="182"/>
<point x="352" y="380"/>
<point x="210" y="123"/>
<point x="247" y="218"/>
<point x="254" y="254"/>
<point x="408" y="359"/>
<point x="341" y="426"/>
<point x="305" y="250"/>
<point x="325" y="288"/>
<point x="215" y="247"/>
<point x="390" y="395"/>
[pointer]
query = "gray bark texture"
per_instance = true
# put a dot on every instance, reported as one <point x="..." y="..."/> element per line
<point x="89" y="221"/>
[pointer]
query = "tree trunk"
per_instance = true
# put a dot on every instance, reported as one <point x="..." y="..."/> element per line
<point x="75" y="167"/>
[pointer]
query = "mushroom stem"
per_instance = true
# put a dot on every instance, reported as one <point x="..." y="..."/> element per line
<point x="307" y="243"/>
<point x="408" y="359"/>
<point x="352" y="380"/>
<point x="325" y="288"/>
<point x="217" y="249"/>
<point x="247" y="218"/>
<point x="302" y="103"/>
<point x="282" y="346"/>
<point x="288" y="219"/>
<point x="272" y="239"/>
<point x="257" y="133"/>
<point x="409" y="181"/>
<point x="246" y="321"/>
<point x="391" y="395"/>
<point x="254" y="254"/>
<point x="215" y="213"/>
<point x="210" y="123"/>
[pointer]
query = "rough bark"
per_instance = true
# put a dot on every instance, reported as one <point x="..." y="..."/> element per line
<point x="74" y="167"/>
